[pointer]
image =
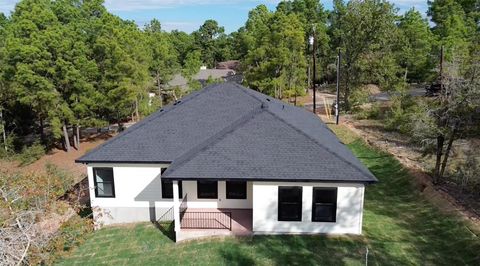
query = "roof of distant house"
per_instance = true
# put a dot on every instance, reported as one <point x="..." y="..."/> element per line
<point x="226" y="131"/>
<point x="231" y="64"/>
<point x="202" y="75"/>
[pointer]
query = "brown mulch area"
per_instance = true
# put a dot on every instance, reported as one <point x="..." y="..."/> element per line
<point x="60" y="158"/>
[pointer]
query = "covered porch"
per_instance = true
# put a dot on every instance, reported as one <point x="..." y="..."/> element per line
<point x="219" y="215"/>
<point x="197" y="223"/>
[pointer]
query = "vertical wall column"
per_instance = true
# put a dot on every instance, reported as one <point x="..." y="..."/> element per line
<point x="176" y="207"/>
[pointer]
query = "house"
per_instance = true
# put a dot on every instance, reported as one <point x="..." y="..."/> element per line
<point x="229" y="160"/>
<point x="203" y="75"/>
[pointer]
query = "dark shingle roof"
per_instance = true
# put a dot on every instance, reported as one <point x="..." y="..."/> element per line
<point x="226" y="131"/>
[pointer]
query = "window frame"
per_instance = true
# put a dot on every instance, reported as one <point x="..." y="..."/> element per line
<point x="300" y="208"/>
<point x="95" y="182"/>
<point x="236" y="183"/>
<point x="170" y="182"/>
<point x="316" y="190"/>
<point x="207" y="181"/>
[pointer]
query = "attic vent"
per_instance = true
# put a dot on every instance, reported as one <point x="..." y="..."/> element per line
<point x="268" y="99"/>
<point x="161" y="110"/>
<point x="177" y="102"/>
<point x="263" y="106"/>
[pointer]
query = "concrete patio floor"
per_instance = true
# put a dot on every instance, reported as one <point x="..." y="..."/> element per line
<point x="241" y="224"/>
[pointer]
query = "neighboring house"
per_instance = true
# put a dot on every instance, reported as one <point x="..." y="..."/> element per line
<point x="231" y="159"/>
<point x="231" y="64"/>
<point x="202" y="76"/>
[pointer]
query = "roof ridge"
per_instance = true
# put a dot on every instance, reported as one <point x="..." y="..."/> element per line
<point x="247" y="92"/>
<point x="149" y="118"/>
<point x="182" y="159"/>
<point x="318" y="143"/>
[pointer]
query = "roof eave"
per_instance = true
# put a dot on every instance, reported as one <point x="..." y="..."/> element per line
<point x="306" y="180"/>
<point x="86" y="161"/>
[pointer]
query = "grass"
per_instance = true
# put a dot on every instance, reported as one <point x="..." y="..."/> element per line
<point x="400" y="228"/>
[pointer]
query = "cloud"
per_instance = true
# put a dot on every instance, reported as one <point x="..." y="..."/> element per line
<point x="6" y="6"/>
<point x="129" y="5"/>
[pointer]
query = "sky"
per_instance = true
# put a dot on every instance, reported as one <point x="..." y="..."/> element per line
<point x="188" y="15"/>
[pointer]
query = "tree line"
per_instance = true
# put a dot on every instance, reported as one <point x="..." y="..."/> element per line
<point x="68" y="64"/>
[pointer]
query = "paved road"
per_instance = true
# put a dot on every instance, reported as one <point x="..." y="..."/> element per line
<point x="385" y="96"/>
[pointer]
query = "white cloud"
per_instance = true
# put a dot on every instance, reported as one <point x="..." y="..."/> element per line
<point x="129" y="5"/>
<point x="6" y="6"/>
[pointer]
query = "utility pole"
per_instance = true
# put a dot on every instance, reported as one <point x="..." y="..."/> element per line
<point x="313" y="41"/>
<point x="337" y="103"/>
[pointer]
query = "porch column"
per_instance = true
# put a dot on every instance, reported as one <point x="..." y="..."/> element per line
<point x="176" y="206"/>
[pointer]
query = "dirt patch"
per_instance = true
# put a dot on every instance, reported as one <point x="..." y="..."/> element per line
<point x="60" y="158"/>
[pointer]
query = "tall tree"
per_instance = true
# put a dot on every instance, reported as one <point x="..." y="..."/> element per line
<point x="365" y="32"/>
<point x="417" y="42"/>
<point x="453" y="27"/>
<point x="191" y="67"/>
<point x="206" y="40"/>
<point x="164" y="62"/>
<point x="275" y="63"/>
<point x="31" y="54"/>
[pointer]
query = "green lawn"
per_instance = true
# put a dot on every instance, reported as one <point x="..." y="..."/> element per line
<point x="400" y="228"/>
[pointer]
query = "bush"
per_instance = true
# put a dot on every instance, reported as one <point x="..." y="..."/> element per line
<point x="71" y="234"/>
<point x="31" y="154"/>
<point x="372" y="112"/>
<point x="359" y="97"/>
<point x="466" y="174"/>
<point x="400" y="116"/>
<point x="7" y="154"/>
<point x="64" y="181"/>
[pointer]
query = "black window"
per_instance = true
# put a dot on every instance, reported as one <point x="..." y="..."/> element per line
<point x="289" y="203"/>
<point x="167" y="189"/>
<point x="324" y="207"/>
<point x="103" y="180"/>
<point x="236" y="190"/>
<point x="207" y="189"/>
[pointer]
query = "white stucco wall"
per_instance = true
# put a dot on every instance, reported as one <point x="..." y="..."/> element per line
<point x="349" y="210"/>
<point x="137" y="193"/>
<point x="190" y="188"/>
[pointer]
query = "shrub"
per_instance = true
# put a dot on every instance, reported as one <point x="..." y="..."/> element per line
<point x="358" y="97"/>
<point x="371" y="112"/>
<point x="399" y="117"/>
<point x="64" y="181"/>
<point x="71" y="234"/>
<point x="7" y="154"/>
<point x="466" y="174"/>
<point x="31" y="154"/>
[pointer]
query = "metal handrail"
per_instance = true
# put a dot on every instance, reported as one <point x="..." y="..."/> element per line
<point x="206" y="220"/>
<point x="183" y="206"/>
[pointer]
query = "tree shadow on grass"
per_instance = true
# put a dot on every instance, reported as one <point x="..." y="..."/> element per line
<point x="297" y="250"/>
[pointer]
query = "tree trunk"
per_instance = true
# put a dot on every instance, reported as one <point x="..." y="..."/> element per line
<point x="43" y="139"/>
<point x="78" y="136"/>
<point x="159" y="85"/>
<point x="4" y="130"/>
<point x="66" y="139"/>
<point x="74" y="139"/>
<point x="436" y="173"/>
<point x="405" y="75"/>
<point x="137" y="114"/>
<point x="447" y="152"/>
<point x="347" y="89"/>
